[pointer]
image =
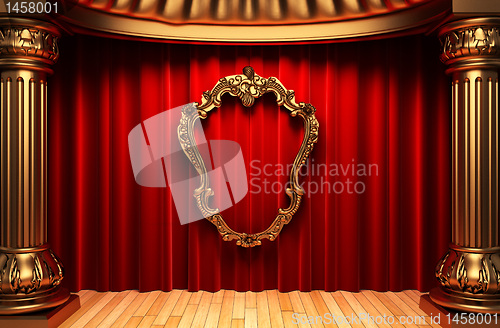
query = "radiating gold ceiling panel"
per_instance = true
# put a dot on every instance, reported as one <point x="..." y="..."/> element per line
<point x="249" y="12"/>
<point x="254" y="21"/>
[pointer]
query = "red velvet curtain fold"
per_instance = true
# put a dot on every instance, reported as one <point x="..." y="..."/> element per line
<point x="382" y="103"/>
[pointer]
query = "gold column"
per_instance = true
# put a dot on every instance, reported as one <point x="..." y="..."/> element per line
<point x="469" y="272"/>
<point x="30" y="273"/>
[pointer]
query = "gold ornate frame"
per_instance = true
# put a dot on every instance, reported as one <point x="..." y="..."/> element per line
<point x="247" y="87"/>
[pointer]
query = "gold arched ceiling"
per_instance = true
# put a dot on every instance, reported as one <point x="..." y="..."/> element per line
<point x="249" y="12"/>
<point x="255" y="20"/>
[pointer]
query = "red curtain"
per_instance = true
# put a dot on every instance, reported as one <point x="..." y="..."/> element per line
<point x="383" y="103"/>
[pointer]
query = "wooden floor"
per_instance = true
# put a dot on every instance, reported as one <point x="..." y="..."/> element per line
<point x="227" y="308"/>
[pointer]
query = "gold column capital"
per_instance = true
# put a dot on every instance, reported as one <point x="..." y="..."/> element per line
<point x="27" y="43"/>
<point x="472" y="43"/>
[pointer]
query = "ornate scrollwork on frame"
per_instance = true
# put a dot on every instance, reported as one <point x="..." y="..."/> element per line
<point x="248" y="86"/>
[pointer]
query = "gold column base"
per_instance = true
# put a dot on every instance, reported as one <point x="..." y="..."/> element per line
<point x="470" y="280"/>
<point x="29" y="280"/>
<point x="462" y="302"/>
<point x="447" y="318"/>
<point x="43" y="319"/>
<point x="30" y="303"/>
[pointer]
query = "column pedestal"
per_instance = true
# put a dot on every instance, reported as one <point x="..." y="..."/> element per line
<point x="469" y="272"/>
<point x="30" y="273"/>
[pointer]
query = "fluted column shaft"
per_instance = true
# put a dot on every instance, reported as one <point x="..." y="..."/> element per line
<point x="469" y="272"/>
<point x="30" y="272"/>
<point x="24" y="159"/>
<point x="475" y="158"/>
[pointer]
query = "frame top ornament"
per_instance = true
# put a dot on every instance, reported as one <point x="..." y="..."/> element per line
<point x="247" y="86"/>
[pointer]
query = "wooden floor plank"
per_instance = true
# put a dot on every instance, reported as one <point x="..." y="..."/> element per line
<point x="125" y="316"/>
<point x="188" y="316"/>
<point x="334" y="309"/>
<point x="274" y="309"/>
<point x="371" y="311"/>
<point x="92" y="312"/>
<point x="226" y="313"/>
<point x="238" y="323"/>
<point x="297" y="305"/>
<point x="250" y="300"/>
<point x="239" y="306"/>
<point x="147" y="303"/>
<point x="411" y="303"/>
<point x="388" y="303"/>
<point x="346" y="308"/>
<point x="304" y="324"/>
<point x="392" y="319"/>
<point x="287" y="319"/>
<point x="146" y="322"/>
<point x="311" y="310"/>
<point x="377" y="303"/>
<point x="96" y="297"/>
<point x="411" y="294"/>
<point x="133" y="322"/>
<point x="213" y="315"/>
<point x="263" y="318"/>
<point x="173" y="322"/>
<point x="86" y="296"/>
<point x="202" y="311"/>
<point x="251" y="318"/>
<point x="322" y="309"/>
<point x="409" y="315"/>
<point x="82" y="292"/>
<point x="291" y="321"/>
<point x="166" y="310"/>
<point x="361" y="312"/>
<point x="119" y="309"/>
<point x="285" y="303"/>
<point x="218" y="297"/>
<point x="158" y="304"/>
<point x="106" y="310"/>
<point x="196" y="297"/>
<point x="399" y="300"/>
<point x="181" y="304"/>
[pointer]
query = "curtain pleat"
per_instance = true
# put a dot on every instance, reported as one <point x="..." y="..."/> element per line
<point x="382" y="103"/>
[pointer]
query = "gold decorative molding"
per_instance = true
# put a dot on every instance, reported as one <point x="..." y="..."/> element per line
<point x="470" y="271"/>
<point x="247" y="86"/>
<point x="471" y="43"/>
<point x="470" y="280"/>
<point x="17" y="41"/>
<point x="28" y="271"/>
<point x="351" y="19"/>
<point x="28" y="43"/>
<point x="249" y="12"/>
